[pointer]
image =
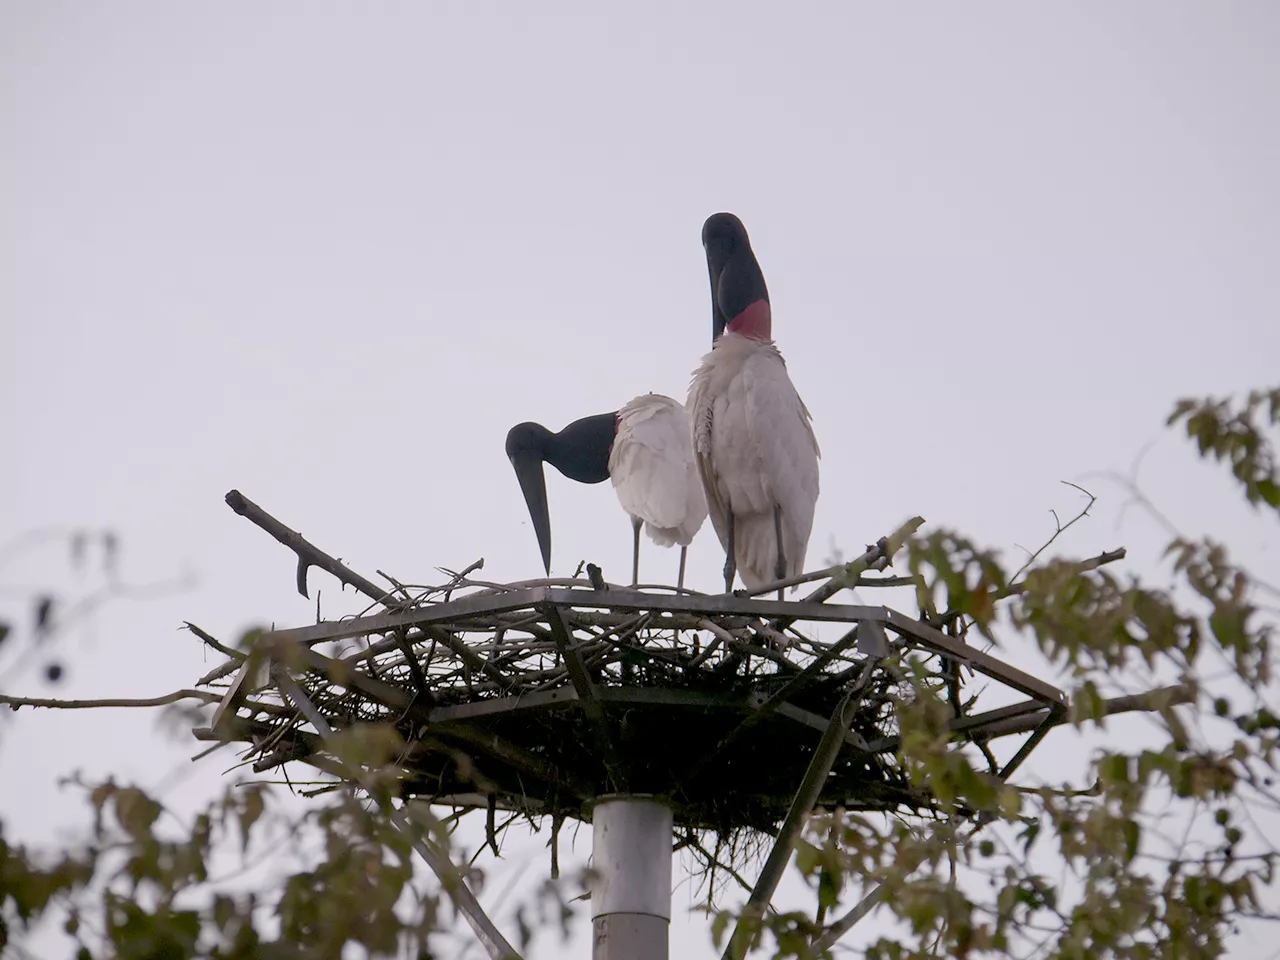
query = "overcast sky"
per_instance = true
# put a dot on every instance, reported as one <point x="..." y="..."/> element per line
<point x="328" y="253"/>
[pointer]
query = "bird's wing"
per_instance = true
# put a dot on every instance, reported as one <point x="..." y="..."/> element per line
<point x="695" y="503"/>
<point x="649" y="461"/>
<point x="701" y="411"/>
<point x="781" y="430"/>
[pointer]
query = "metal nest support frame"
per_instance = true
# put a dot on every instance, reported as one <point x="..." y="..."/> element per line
<point x="543" y="696"/>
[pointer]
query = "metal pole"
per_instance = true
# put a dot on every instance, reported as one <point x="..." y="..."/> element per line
<point x="631" y="890"/>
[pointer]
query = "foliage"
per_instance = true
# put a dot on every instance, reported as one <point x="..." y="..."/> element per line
<point x="1172" y="848"/>
<point x="145" y="885"/>
<point x="1164" y="851"/>
<point x="1236" y="437"/>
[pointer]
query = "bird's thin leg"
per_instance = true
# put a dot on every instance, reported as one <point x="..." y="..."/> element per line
<point x="730" y="562"/>
<point x="780" y="569"/>
<point x="635" y="551"/>
<point x="680" y="582"/>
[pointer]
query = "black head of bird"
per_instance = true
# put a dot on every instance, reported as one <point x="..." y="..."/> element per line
<point x="580" y="451"/>
<point x="739" y="297"/>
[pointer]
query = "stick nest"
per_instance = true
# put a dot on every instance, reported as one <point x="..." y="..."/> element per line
<point x="539" y="696"/>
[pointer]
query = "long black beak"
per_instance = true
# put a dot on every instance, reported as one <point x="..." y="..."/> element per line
<point x="715" y="265"/>
<point x="736" y="280"/>
<point x="528" y="467"/>
<point x="716" y="260"/>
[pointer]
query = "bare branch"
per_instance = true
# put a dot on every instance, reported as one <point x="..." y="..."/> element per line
<point x="211" y="641"/>
<point x="1061" y="528"/>
<point x="205" y="696"/>
<point x="308" y="554"/>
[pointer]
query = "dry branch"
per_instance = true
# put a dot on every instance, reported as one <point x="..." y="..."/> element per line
<point x="307" y="553"/>
<point x="846" y="575"/>
<point x="213" y="642"/>
<point x="202" y="695"/>
<point x="1151" y="700"/>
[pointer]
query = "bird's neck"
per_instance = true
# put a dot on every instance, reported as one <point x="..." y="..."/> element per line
<point x="756" y="321"/>
<point x="581" y="450"/>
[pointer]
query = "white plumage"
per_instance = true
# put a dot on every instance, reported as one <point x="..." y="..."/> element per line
<point x="756" y="455"/>
<point x="652" y="469"/>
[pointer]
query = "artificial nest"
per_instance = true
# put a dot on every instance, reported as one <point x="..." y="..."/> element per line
<point x="539" y="696"/>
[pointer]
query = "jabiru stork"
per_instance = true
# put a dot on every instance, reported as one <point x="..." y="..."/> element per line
<point x="753" y="438"/>
<point x="645" y="449"/>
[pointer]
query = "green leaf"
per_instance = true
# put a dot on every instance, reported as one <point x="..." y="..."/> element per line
<point x="719" y="925"/>
<point x="1029" y="836"/>
<point x="101" y="794"/>
<point x="808" y="857"/>
<point x="829" y="886"/>
<point x="136" y="812"/>
<point x="252" y="805"/>
<point x="1132" y="837"/>
<point x="1114" y="768"/>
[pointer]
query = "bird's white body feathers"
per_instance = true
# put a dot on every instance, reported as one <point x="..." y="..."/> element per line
<point x="652" y="469"/>
<point x="755" y="450"/>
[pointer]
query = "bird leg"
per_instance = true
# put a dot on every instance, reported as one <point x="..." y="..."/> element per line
<point x="730" y="561"/>
<point x="680" y="582"/>
<point x="635" y="552"/>
<point x="780" y="569"/>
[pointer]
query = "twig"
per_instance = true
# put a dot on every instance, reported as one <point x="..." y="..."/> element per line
<point x="488" y="586"/>
<point x="419" y="677"/>
<point x="992" y="766"/>
<point x="712" y="860"/>
<point x="845" y="574"/>
<point x="308" y="554"/>
<point x="456" y="579"/>
<point x="490" y="828"/>
<point x="1062" y="528"/>
<point x="460" y="575"/>
<point x="557" y="821"/>
<point x="904" y="581"/>
<point x="1148" y="700"/>
<point x="217" y="673"/>
<point x="876" y="556"/>
<point x="207" y="638"/>
<point x="204" y="695"/>
<point x="721" y="635"/>
<point x="404" y="591"/>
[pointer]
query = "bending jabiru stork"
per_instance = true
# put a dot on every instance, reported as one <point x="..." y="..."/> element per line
<point x="753" y="440"/>
<point x="645" y="448"/>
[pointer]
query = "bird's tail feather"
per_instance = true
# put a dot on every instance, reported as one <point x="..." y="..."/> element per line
<point x="755" y="543"/>
<point x="663" y="536"/>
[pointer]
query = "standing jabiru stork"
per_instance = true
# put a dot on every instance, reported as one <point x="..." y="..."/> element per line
<point x="752" y="436"/>
<point x="645" y="448"/>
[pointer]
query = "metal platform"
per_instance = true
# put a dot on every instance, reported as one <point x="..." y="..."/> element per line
<point x="538" y="699"/>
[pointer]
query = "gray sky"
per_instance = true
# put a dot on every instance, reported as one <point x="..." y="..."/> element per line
<point x="327" y="254"/>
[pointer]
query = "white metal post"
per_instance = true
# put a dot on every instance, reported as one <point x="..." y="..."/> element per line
<point x="631" y="893"/>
